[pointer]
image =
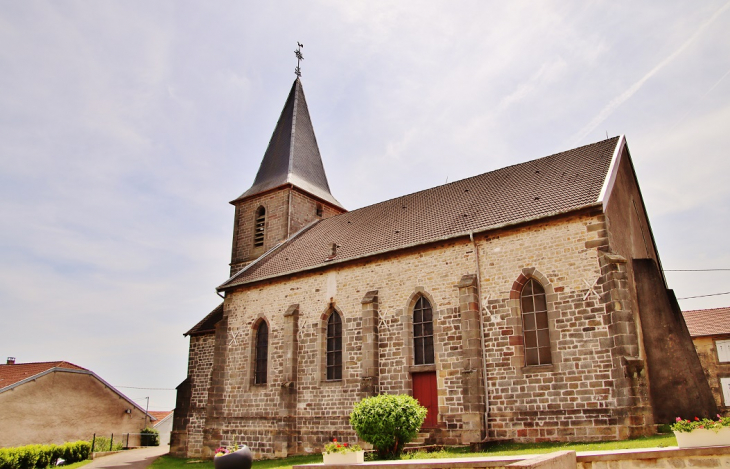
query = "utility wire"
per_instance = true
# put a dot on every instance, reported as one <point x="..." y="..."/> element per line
<point x="696" y="270"/>
<point x="153" y="389"/>
<point x="703" y="296"/>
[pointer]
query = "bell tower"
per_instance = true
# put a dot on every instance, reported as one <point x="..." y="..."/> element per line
<point x="290" y="190"/>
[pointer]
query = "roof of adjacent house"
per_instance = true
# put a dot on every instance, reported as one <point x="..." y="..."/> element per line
<point x="292" y="156"/>
<point x="207" y="324"/>
<point x="12" y="374"/>
<point x="160" y="415"/>
<point x="704" y="322"/>
<point x="536" y="189"/>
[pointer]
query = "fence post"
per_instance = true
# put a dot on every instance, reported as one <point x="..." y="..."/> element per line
<point x="111" y="442"/>
<point x="93" y="442"/>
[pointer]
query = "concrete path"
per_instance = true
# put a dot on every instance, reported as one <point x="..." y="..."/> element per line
<point x="130" y="459"/>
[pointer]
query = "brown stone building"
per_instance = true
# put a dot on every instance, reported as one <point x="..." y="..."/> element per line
<point x="57" y="402"/>
<point x="524" y="303"/>
<point x="710" y="331"/>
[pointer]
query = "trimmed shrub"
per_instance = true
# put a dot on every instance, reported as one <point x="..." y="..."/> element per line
<point x="388" y="422"/>
<point x="150" y="437"/>
<point x="42" y="456"/>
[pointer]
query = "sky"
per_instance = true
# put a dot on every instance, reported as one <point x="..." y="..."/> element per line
<point x="126" y="127"/>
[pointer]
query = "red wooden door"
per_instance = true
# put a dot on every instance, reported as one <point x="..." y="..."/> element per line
<point x="424" y="390"/>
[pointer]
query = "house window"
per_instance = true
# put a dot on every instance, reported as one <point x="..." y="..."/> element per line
<point x="320" y="210"/>
<point x="334" y="346"/>
<point x="259" y="227"/>
<point x="262" y="353"/>
<point x="723" y="350"/>
<point x="725" y="384"/>
<point x="423" y="332"/>
<point x="535" y="324"/>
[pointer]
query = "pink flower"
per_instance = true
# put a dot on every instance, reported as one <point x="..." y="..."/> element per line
<point x="701" y="426"/>
<point x="679" y="419"/>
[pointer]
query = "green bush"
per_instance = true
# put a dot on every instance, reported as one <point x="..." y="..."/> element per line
<point x="42" y="456"/>
<point x="388" y="422"/>
<point x="150" y="437"/>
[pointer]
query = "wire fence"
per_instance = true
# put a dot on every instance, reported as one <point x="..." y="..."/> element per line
<point x="102" y="442"/>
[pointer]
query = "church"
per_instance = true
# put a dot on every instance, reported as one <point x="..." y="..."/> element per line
<point x="526" y="303"/>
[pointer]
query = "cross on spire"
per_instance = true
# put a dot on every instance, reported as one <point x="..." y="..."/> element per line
<point x="300" y="57"/>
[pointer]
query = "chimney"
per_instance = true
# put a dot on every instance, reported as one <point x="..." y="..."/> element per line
<point x="11" y="361"/>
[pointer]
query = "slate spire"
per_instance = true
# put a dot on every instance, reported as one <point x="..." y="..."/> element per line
<point x="292" y="156"/>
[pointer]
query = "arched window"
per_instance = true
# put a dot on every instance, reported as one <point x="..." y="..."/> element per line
<point x="422" y="332"/>
<point x="334" y="346"/>
<point x="535" y="324"/>
<point x="259" y="227"/>
<point x="262" y="353"/>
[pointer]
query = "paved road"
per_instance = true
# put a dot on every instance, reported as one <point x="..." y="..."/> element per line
<point x="130" y="459"/>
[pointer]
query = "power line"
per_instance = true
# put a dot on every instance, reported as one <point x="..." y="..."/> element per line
<point x="696" y="270"/>
<point x="153" y="389"/>
<point x="703" y="296"/>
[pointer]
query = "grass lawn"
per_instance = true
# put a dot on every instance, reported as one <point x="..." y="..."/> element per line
<point x="168" y="462"/>
<point x="78" y="464"/>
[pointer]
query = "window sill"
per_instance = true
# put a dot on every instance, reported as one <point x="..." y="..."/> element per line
<point x="422" y="368"/>
<point x="331" y="382"/>
<point x="538" y="369"/>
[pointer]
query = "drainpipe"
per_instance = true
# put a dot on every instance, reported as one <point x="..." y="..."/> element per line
<point x="481" y="329"/>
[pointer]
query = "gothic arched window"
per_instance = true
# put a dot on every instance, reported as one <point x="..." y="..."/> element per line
<point x="262" y="353"/>
<point x="423" y="332"/>
<point x="259" y="227"/>
<point x="334" y="346"/>
<point x="535" y="324"/>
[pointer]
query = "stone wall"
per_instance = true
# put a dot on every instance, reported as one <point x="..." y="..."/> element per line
<point x="574" y="398"/>
<point x="714" y="370"/>
<point x="279" y="222"/>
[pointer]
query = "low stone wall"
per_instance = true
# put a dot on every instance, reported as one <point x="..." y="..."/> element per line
<point x="670" y="458"/>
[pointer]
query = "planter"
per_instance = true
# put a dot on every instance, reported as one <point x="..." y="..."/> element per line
<point x="701" y="437"/>
<point x="241" y="459"/>
<point x="353" y="457"/>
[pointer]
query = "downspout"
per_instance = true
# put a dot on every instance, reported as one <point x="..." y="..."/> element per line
<point x="481" y="329"/>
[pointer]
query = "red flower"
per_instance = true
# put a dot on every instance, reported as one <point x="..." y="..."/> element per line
<point x="338" y="445"/>
<point x="334" y="440"/>
<point x="345" y="445"/>
<point x="697" y="419"/>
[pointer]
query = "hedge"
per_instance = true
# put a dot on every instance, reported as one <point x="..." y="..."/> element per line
<point x="42" y="456"/>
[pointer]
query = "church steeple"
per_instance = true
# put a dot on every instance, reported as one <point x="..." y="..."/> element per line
<point x="292" y="156"/>
<point x="290" y="189"/>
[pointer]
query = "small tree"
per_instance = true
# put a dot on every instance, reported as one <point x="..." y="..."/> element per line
<point x="388" y="422"/>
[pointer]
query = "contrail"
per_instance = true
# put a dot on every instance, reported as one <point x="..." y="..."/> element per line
<point x="619" y="100"/>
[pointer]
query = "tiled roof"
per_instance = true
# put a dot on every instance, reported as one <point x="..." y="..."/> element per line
<point x="535" y="189"/>
<point x="207" y="324"/>
<point x="703" y="322"/>
<point x="11" y="374"/>
<point x="159" y="415"/>
<point x="292" y="156"/>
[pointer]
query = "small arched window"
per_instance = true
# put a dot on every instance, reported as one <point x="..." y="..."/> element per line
<point x="535" y="324"/>
<point x="423" y="332"/>
<point x="259" y="227"/>
<point x="334" y="346"/>
<point x="262" y="353"/>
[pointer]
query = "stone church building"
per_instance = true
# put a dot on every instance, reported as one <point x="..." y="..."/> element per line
<point x="525" y="303"/>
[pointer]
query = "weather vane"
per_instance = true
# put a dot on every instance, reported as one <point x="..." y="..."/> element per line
<point x="300" y="57"/>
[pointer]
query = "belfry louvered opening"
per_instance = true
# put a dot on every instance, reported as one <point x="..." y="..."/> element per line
<point x="260" y="227"/>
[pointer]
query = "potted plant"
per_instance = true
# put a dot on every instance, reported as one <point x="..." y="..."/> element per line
<point x="702" y="432"/>
<point x="342" y="453"/>
<point x="236" y="459"/>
